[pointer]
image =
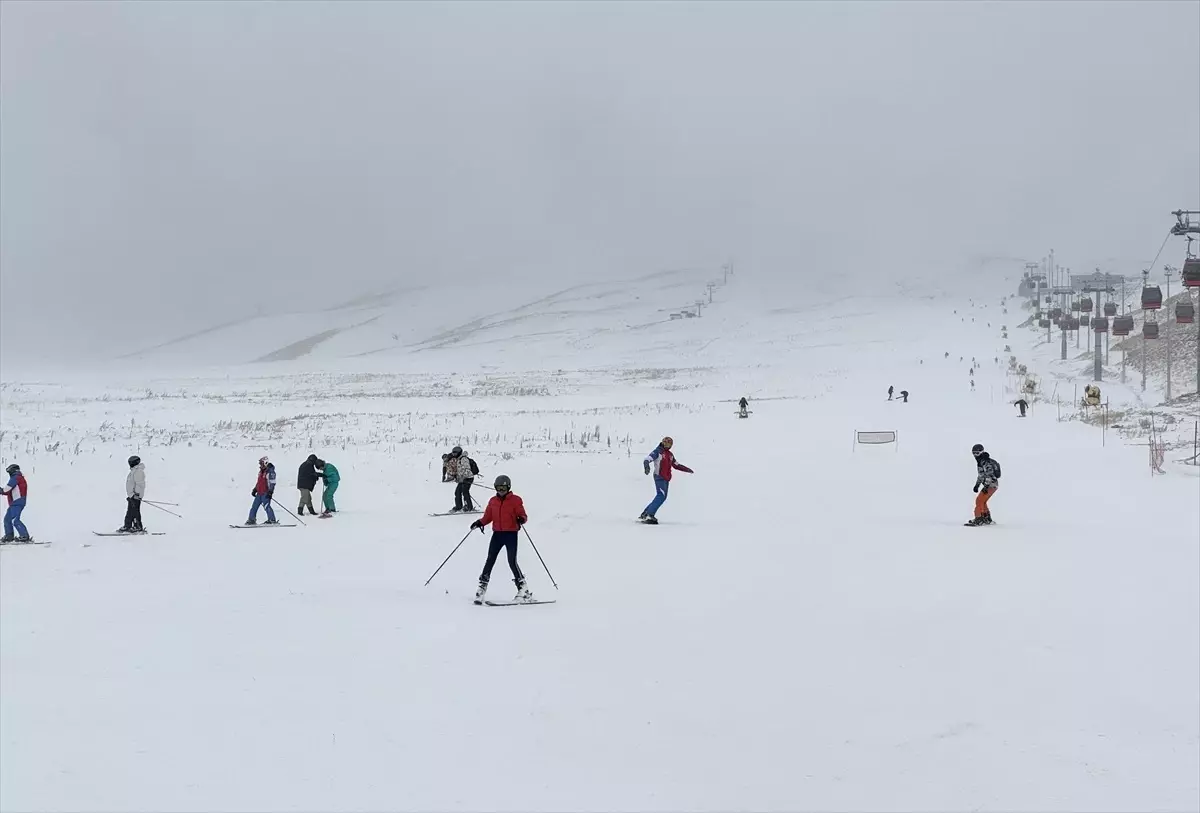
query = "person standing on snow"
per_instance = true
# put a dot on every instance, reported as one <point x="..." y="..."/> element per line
<point x="17" y="491"/>
<point x="465" y="470"/>
<point x="135" y="489"/>
<point x="664" y="462"/>
<point x="306" y="481"/>
<point x="1022" y="405"/>
<point x="331" y="477"/>
<point x="890" y="391"/>
<point x="506" y="514"/>
<point x="986" y="483"/>
<point x="742" y="405"/>
<point x="263" y="492"/>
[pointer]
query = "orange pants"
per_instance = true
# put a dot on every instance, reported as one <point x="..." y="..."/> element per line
<point x="981" y="500"/>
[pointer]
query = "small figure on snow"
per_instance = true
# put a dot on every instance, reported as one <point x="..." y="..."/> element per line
<point x="1022" y="405"/>
<point x="135" y="489"/>
<point x="17" y="491"/>
<point x="263" y="492"/>
<point x="330" y="477"/>
<point x="306" y="481"/>
<point x="664" y="463"/>
<point x="506" y="514"/>
<point x="890" y="391"/>
<point x="904" y="396"/>
<point x="446" y="475"/>
<point x="742" y="407"/>
<point x="972" y="385"/>
<point x="986" y="483"/>
<point x="465" y="470"/>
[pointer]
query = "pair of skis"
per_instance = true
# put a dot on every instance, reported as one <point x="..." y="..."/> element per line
<point x="514" y="603"/>
<point x="457" y="513"/>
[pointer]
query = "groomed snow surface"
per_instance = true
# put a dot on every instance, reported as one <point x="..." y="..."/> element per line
<point x="810" y="627"/>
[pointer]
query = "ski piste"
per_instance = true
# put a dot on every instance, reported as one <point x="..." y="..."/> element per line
<point x="518" y="603"/>
<point x="131" y="533"/>
<point x="265" y="525"/>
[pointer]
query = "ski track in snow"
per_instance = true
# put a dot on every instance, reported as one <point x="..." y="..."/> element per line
<point x="810" y="627"/>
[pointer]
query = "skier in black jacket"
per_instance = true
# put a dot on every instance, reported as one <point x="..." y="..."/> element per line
<point x="306" y="481"/>
<point x="986" y="483"/>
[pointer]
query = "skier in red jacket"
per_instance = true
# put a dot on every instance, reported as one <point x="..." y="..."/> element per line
<point x="506" y="514"/>
<point x="666" y="463"/>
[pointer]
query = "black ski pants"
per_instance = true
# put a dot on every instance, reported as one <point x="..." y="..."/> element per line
<point x="507" y="540"/>
<point x="462" y="496"/>
<point x="133" y="514"/>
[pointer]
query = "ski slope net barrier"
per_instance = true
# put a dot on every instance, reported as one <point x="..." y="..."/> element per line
<point x="876" y="438"/>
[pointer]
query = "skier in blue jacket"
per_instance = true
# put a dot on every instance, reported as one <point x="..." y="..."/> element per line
<point x="663" y="461"/>
<point x="16" y="491"/>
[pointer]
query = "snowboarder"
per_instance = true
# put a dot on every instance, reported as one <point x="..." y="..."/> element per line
<point x="506" y="514"/>
<point x="986" y="483"/>
<point x="904" y="396"/>
<point x="465" y="470"/>
<point x="263" y="492"/>
<point x="306" y="481"/>
<point x="135" y="489"/>
<point x="17" y="491"/>
<point x="330" y="477"/>
<point x="742" y="405"/>
<point x="890" y="391"/>
<point x="663" y="459"/>
<point x="1022" y="405"/>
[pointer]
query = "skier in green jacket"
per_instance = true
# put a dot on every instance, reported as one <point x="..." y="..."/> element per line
<point x="329" y="474"/>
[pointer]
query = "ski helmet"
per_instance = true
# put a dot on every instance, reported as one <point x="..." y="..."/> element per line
<point x="13" y="469"/>
<point x="667" y="442"/>
<point x="977" y="449"/>
<point x="503" y="483"/>
<point x="134" y="460"/>
<point x="456" y="451"/>
<point x="262" y="461"/>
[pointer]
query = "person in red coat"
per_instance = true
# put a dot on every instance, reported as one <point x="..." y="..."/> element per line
<point x="506" y="514"/>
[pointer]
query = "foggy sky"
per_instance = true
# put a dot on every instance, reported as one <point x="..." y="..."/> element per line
<point x="166" y="166"/>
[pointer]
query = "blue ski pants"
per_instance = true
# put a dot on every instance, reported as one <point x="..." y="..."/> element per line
<point x="12" y="519"/>
<point x="263" y="500"/>
<point x="660" y="496"/>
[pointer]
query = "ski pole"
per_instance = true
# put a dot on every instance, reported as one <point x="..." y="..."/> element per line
<point x="285" y="508"/>
<point x="160" y="508"/>
<point x="159" y="502"/>
<point x="447" y="559"/>
<point x="539" y="556"/>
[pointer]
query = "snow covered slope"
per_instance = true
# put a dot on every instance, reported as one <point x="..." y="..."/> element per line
<point x="810" y="627"/>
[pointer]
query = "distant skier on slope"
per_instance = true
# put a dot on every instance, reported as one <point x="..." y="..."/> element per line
<point x="331" y="478"/>
<point x="263" y="492"/>
<point x="506" y="514"/>
<point x="135" y="489"/>
<point x="986" y="483"/>
<point x="663" y="459"/>
<point x="904" y="396"/>
<point x="890" y="391"/>
<point x="17" y="491"/>
<point x="465" y="470"/>
<point x="1022" y="405"/>
<point x="306" y="481"/>
<point x="742" y="407"/>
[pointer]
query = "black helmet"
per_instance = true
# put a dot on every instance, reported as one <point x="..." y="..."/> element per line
<point x="12" y="469"/>
<point x="133" y="461"/>
<point x="977" y="449"/>
<point x="502" y="482"/>
<point x="456" y="451"/>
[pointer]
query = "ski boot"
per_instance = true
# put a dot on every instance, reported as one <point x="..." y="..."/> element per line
<point x="454" y="511"/>
<point x="650" y="520"/>
<point x="986" y="518"/>
<point x="271" y="522"/>
<point x="124" y="529"/>
<point x="481" y="591"/>
<point x="4" y="540"/>
<point x="974" y="522"/>
<point x="252" y="521"/>
<point x="523" y="592"/>
<point x="24" y="539"/>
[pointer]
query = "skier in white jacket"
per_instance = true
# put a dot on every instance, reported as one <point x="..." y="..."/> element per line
<point x="135" y="489"/>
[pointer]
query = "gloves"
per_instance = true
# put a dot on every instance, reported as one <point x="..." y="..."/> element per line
<point x="476" y="524"/>
<point x="646" y="466"/>
<point x="254" y="492"/>
<point x="137" y="497"/>
<point x="271" y="494"/>
<point x="522" y="520"/>
<point x="976" y="488"/>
